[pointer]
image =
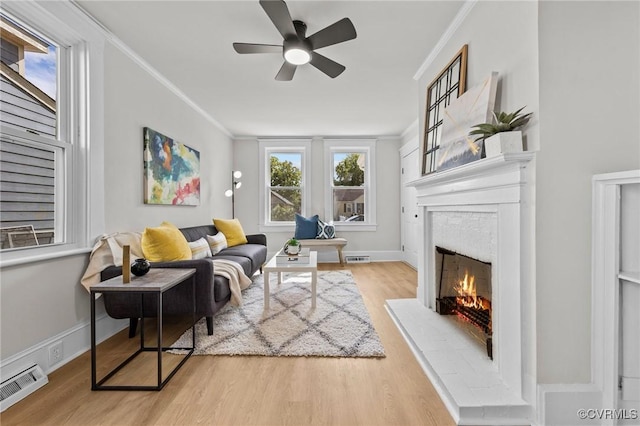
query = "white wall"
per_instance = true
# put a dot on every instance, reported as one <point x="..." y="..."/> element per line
<point x="133" y="100"/>
<point x="589" y="124"/>
<point x="387" y="236"/>
<point x="43" y="300"/>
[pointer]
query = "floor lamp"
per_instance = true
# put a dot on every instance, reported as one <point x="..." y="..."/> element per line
<point x="235" y="184"/>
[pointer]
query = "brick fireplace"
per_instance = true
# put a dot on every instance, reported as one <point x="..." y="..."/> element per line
<point x="480" y="211"/>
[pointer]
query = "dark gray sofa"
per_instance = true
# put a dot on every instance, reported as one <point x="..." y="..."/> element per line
<point x="212" y="291"/>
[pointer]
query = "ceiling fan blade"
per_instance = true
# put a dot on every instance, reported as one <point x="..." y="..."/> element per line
<point x="326" y="65"/>
<point x="279" y="14"/>
<point x="286" y="72"/>
<point x="257" y="48"/>
<point x="342" y="30"/>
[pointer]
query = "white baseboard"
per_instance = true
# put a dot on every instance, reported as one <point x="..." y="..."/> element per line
<point x="75" y="342"/>
<point x="560" y="404"/>
<point x="331" y="256"/>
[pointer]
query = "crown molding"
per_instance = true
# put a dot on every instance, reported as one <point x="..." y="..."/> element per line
<point x="446" y="36"/>
<point x="410" y="131"/>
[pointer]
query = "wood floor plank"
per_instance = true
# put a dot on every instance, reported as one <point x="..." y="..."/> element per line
<point x="255" y="390"/>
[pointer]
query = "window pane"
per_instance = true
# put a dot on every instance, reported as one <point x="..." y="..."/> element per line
<point x="285" y="173"/>
<point x="348" y="168"/>
<point x="286" y="169"/>
<point x="27" y="194"/>
<point x="348" y="204"/>
<point x="29" y="80"/>
<point x="284" y="204"/>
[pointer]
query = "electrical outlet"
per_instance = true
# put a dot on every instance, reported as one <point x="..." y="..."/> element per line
<point x="55" y="353"/>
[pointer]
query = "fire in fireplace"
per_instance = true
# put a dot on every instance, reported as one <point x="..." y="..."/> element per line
<point x="464" y="289"/>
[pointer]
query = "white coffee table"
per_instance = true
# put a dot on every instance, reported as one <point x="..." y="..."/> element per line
<point x="272" y="266"/>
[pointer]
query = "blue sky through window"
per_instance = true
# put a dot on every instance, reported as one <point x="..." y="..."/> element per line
<point x="294" y="158"/>
<point x="40" y="69"/>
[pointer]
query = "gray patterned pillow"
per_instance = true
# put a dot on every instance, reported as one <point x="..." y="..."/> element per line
<point x="325" y="230"/>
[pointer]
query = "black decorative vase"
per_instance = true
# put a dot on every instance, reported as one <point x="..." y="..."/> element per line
<point x="140" y="267"/>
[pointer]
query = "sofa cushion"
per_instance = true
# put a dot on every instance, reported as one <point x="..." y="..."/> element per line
<point x="306" y="228"/>
<point x="242" y="260"/>
<point x="232" y="230"/>
<point x="221" y="289"/>
<point x="164" y="244"/>
<point x="256" y="253"/>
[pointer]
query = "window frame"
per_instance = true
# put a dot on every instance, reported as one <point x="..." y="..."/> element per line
<point x="267" y="147"/>
<point x="79" y="105"/>
<point x="367" y="146"/>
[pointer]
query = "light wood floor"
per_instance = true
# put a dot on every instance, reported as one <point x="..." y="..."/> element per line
<point x="225" y="390"/>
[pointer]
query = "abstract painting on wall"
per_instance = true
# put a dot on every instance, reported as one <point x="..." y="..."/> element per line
<point x="171" y="171"/>
<point x="473" y="107"/>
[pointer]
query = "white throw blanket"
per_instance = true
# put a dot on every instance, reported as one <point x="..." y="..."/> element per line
<point x="108" y="252"/>
<point x="238" y="281"/>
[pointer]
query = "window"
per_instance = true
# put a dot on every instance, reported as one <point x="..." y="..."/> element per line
<point x="448" y="85"/>
<point x="350" y="197"/>
<point x="285" y="166"/>
<point x="32" y="149"/>
<point x="45" y="117"/>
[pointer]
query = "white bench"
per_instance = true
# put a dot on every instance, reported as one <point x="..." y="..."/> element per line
<point x="338" y="243"/>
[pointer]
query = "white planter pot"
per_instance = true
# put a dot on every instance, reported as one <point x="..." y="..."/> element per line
<point x="293" y="249"/>
<point x="504" y="142"/>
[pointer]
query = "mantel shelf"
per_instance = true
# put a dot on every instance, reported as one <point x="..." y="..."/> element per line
<point x="485" y="166"/>
<point x="489" y="181"/>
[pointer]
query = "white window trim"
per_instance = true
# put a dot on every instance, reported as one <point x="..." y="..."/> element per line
<point x="267" y="146"/>
<point x="352" y="145"/>
<point x="83" y="209"/>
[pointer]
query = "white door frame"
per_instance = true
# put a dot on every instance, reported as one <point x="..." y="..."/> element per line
<point x="407" y="149"/>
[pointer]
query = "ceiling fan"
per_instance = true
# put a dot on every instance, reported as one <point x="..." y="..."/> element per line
<point x="297" y="48"/>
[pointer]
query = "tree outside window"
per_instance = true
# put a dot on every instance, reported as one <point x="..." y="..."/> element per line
<point x="349" y="186"/>
<point x="285" y="190"/>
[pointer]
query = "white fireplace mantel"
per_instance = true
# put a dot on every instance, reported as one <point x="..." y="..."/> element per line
<point x="496" y="191"/>
<point x="487" y="181"/>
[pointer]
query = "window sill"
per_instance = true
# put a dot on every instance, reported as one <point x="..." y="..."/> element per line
<point x="7" y="260"/>
<point x="355" y="227"/>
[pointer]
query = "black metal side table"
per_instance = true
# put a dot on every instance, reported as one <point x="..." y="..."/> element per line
<point x="157" y="281"/>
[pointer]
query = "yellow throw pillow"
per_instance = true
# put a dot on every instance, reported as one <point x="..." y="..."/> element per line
<point x="232" y="231"/>
<point x="165" y="244"/>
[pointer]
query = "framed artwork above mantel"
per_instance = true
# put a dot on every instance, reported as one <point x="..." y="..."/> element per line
<point x="448" y="85"/>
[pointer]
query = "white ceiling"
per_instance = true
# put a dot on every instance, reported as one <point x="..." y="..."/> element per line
<point x="190" y="44"/>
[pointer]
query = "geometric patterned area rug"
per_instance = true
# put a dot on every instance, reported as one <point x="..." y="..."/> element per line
<point x="339" y="326"/>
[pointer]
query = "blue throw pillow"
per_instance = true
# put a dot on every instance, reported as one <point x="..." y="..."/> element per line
<point x="306" y="228"/>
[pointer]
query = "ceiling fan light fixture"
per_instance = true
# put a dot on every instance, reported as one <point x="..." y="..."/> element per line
<point x="297" y="56"/>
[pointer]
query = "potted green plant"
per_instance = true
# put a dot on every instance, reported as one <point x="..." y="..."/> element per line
<point x="292" y="246"/>
<point x="501" y="137"/>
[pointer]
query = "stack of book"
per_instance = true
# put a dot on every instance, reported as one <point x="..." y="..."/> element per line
<point x="301" y="258"/>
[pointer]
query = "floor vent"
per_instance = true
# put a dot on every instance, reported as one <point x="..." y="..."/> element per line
<point x="358" y="259"/>
<point x="20" y="385"/>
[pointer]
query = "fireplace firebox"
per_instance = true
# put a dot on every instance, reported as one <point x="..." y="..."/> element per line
<point x="464" y="289"/>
